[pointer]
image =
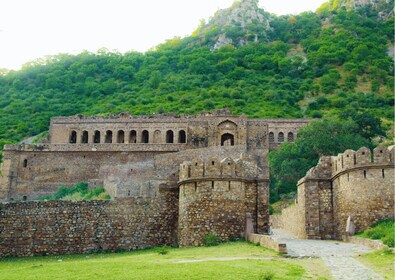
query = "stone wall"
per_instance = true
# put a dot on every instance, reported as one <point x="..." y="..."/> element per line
<point x="215" y="197"/>
<point x="347" y="185"/>
<point x="65" y="227"/>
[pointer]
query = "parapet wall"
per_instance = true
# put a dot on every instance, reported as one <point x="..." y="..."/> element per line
<point x="352" y="184"/>
<point x="66" y="227"/>
<point x="215" y="196"/>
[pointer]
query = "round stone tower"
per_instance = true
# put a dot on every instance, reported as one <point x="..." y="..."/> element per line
<point x="215" y="197"/>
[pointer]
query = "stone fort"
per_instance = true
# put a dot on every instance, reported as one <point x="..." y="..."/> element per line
<point x="172" y="180"/>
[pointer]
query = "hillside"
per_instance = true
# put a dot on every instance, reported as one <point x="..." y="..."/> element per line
<point x="331" y="63"/>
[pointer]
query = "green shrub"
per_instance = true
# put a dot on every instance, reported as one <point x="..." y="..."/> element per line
<point x="164" y="250"/>
<point x="268" y="276"/>
<point x="383" y="230"/>
<point x="211" y="239"/>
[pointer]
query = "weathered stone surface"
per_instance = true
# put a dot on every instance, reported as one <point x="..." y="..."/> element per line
<point x="65" y="227"/>
<point x="350" y="184"/>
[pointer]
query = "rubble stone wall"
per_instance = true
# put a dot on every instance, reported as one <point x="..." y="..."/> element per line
<point x="66" y="227"/>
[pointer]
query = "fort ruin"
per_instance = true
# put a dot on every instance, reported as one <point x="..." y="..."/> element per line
<point x="174" y="180"/>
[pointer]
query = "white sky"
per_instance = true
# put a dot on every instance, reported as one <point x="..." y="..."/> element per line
<point x="31" y="29"/>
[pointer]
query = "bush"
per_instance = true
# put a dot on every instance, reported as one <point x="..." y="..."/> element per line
<point x="268" y="276"/>
<point x="383" y="230"/>
<point x="211" y="239"/>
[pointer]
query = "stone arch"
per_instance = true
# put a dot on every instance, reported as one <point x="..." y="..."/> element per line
<point x="133" y="136"/>
<point x="157" y="136"/>
<point x="121" y="137"/>
<point x="169" y="136"/>
<point x="84" y="137"/>
<point x="96" y="137"/>
<point x="73" y="137"/>
<point x="227" y="139"/>
<point x="271" y="137"/>
<point x="145" y="136"/>
<point x="226" y="133"/>
<point x="280" y="138"/>
<point x="290" y="137"/>
<point x="182" y="137"/>
<point x="108" y="138"/>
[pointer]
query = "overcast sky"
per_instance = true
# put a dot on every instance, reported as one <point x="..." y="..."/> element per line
<point x="31" y="29"/>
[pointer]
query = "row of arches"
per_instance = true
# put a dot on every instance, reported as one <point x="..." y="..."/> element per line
<point x="281" y="137"/>
<point x="133" y="136"/>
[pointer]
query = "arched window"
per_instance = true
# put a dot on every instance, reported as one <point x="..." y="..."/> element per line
<point x="96" y="137"/>
<point x="84" y="137"/>
<point x="227" y="139"/>
<point x="121" y="137"/>
<point x="290" y="137"/>
<point x="133" y="136"/>
<point x="182" y="138"/>
<point x="280" y="137"/>
<point x="73" y="137"/>
<point x="145" y="137"/>
<point x="271" y="137"/>
<point x="108" y="138"/>
<point x="169" y="136"/>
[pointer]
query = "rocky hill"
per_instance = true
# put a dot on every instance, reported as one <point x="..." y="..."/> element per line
<point x="238" y="25"/>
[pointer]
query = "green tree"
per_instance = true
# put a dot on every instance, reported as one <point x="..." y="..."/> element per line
<point x="328" y="137"/>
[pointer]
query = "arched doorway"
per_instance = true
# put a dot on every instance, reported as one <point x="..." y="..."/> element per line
<point x="227" y="139"/>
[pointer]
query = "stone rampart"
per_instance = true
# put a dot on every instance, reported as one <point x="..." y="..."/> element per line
<point x="215" y="196"/>
<point x="67" y="227"/>
<point x="351" y="184"/>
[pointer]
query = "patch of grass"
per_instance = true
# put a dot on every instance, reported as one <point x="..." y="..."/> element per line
<point x="380" y="261"/>
<point x="383" y="230"/>
<point x="246" y="261"/>
<point x="79" y="191"/>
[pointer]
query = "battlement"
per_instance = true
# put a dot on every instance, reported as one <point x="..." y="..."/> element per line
<point x="214" y="168"/>
<point x="328" y="167"/>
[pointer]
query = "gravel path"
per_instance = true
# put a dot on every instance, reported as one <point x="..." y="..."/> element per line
<point x="338" y="256"/>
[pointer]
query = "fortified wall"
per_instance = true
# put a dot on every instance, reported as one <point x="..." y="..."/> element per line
<point x="215" y="197"/>
<point x="352" y="184"/>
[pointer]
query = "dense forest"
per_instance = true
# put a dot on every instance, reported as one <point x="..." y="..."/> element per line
<point x="332" y="64"/>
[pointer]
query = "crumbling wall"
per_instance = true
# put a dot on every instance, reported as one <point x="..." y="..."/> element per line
<point x="67" y="227"/>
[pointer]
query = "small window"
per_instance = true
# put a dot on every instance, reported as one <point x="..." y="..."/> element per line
<point x="121" y="137"/>
<point x="364" y="174"/>
<point x="108" y="136"/>
<point x="84" y="137"/>
<point x="169" y="137"/>
<point x="133" y="136"/>
<point x="182" y="137"/>
<point x="25" y="163"/>
<point x="96" y="137"/>
<point x="290" y="137"/>
<point x="73" y="137"/>
<point x="145" y="137"/>
<point x="212" y="163"/>
<point x="280" y="137"/>
<point x="382" y="173"/>
<point x="24" y="198"/>
<point x="271" y="137"/>
<point x="212" y="185"/>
